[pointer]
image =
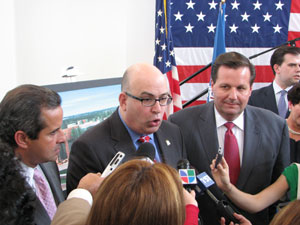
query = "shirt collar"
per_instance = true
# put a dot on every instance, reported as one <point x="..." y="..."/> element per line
<point x="220" y="121"/>
<point x="278" y="89"/>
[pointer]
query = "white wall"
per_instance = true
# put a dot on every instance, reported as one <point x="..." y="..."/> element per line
<point x="100" y="38"/>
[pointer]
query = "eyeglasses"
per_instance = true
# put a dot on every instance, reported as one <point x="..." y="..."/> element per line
<point x="151" y="101"/>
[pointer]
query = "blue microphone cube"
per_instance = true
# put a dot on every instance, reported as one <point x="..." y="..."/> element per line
<point x="204" y="181"/>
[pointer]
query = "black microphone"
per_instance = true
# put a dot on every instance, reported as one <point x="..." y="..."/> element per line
<point x="187" y="174"/>
<point x="145" y="152"/>
<point x="223" y="207"/>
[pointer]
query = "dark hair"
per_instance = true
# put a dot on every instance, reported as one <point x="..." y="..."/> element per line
<point x="139" y="192"/>
<point x="278" y="55"/>
<point x="21" y="109"/>
<point x="294" y="94"/>
<point x="232" y="60"/>
<point x="16" y="197"/>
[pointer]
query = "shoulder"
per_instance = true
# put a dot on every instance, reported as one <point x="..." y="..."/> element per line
<point x="190" y="112"/>
<point x="264" y="114"/>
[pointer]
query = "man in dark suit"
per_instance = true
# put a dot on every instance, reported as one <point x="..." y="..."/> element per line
<point x="143" y="101"/>
<point x="262" y="141"/>
<point x="285" y="63"/>
<point x="30" y="122"/>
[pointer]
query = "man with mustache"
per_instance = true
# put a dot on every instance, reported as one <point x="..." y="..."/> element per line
<point x="143" y="101"/>
<point x="255" y="140"/>
<point x="285" y="63"/>
<point x="30" y="122"/>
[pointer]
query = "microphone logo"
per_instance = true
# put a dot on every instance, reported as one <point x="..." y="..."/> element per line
<point x="188" y="176"/>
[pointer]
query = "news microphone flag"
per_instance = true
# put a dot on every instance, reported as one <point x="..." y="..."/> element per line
<point x="188" y="176"/>
<point x="204" y="181"/>
<point x="219" y="42"/>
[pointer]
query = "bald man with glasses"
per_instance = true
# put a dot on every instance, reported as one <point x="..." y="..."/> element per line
<point x="143" y="101"/>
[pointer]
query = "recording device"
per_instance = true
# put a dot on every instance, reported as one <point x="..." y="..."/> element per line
<point x="113" y="164"/>
<point x="204" y="182"/>
<point x="219" y="157"/>
<point x="187" y="174"/>
<point x="146" y="152"/>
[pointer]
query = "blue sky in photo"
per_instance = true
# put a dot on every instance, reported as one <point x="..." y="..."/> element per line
<point x="90" y="99"/>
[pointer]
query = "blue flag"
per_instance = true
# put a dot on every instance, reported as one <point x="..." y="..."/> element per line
<point x="219" y="43"/>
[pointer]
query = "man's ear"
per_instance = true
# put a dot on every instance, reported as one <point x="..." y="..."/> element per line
<point x="21" y="139"/>
<point x="122" y="101"/>
<point x="276" y="68"/>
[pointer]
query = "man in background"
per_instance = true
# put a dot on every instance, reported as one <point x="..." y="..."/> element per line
<point x="254" y="140"/>
<point x="285" y="63"/>
<point x="143" y="101"/>
<point x="30" y="122"/>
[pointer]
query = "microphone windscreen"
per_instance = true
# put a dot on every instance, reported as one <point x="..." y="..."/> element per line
<point x="146" y="149"/>
<point x="183" y="164"/>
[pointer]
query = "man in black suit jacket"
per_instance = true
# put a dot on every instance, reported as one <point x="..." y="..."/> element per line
<point x="142" y="104"/>
<point x="262" y="136"/>
<point x="30" y="122"/>
<point x="285" y="63"/>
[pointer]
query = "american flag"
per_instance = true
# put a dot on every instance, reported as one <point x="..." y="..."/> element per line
<point x="251" y="27"/>
<point x="164" y="58"/>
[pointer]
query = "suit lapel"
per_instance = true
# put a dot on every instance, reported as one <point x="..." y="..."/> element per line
<point x="251" y="147"/>
<point x="269" y="100"/>
<point x="165" y="144"/>
<point x="121" y="136"/>
<point x="207" y="122"/>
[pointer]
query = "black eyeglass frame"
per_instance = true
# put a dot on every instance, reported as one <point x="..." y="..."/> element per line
<point x="142" y="100"/>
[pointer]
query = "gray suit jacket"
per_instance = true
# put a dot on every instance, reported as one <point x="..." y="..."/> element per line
<point x="52" y="174"/>
<point x="94" y="149"/>
<point x="265" y="154"/>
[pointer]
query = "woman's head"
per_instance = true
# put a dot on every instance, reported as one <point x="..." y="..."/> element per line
<point x="289" y="215"/>
<point x="139" y="193"/>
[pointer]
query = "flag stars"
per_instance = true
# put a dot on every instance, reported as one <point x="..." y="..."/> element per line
<point x="233" y="28"/>
<point x="159" y="13"/>
<point x="211" y="28"/>
<point x="168" y="63"/>
<point x="159" y="59"/>
<point x="279" y="5"/>
<point x="200" y="16"/>
<point x="163" y="47"/>
<point x="255" y="28"/>
<point x="212" y="5"/>
<point x="162" y="30"/>
<point x="178" y="16"/>
<point x="235" y="5"/>
<point x="190" y="4"/>
<point x="257" y="5"/>
<point x="172" y="53"/>
<point x="277" y="29"/>
<point x="189" y="28"/>
<point x="157" y="41"/>
<point x="267" y="17"/>
<point x="245" y="16"/>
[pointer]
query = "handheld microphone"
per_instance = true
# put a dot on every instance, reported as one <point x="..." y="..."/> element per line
<point x="113" y="164"/>
<point x="204" y="182"/>
<point x="146" y="152"/>
<point x="187" y="174"/>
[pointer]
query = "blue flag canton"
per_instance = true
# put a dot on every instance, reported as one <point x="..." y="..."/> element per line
<point x="253" y="23"/>
<point x="164" y="53"/>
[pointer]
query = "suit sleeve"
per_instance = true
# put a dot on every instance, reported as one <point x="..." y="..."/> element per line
<point x="72" y="212"/>
<point x="283" y="158"/>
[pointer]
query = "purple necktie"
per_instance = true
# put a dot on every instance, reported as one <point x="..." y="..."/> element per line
<point x="231" y="153"/>
<point x="282" y="108"/>
<point x="43" y="192"/>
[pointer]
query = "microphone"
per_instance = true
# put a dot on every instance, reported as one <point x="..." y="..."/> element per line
<point x="223" y="207"/>
<point x="146" y="152"/>
<point x="187" y="174"/>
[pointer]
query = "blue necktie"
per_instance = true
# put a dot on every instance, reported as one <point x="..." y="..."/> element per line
<point x="282" y="108"/>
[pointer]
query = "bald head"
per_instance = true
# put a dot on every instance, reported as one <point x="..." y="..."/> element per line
<point x="140" y="73"/>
